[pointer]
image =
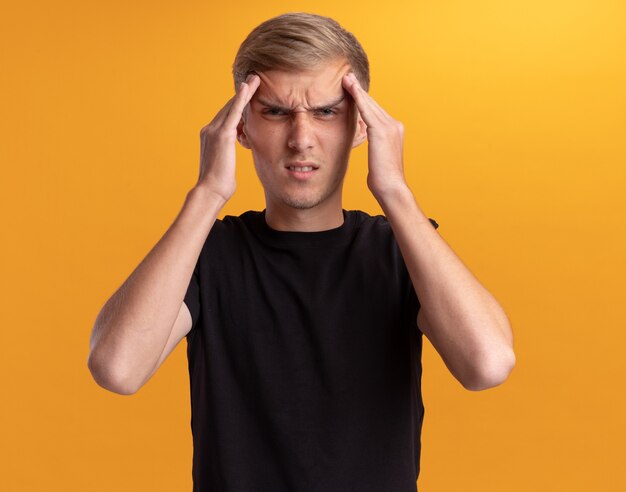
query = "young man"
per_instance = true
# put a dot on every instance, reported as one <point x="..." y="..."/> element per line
<point x="303" y="321"/>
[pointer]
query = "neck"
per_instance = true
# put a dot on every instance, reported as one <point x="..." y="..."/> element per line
<point x="322" y="217"/>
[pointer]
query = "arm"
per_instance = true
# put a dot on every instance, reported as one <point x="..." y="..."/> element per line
<point x="145" y="318"/>
<point x="463" y="321"/>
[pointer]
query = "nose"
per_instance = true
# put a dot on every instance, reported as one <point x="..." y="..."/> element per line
<point x="301" y="133"/>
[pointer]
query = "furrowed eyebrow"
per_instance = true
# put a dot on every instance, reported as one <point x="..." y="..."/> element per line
<point x="286" y="110"/>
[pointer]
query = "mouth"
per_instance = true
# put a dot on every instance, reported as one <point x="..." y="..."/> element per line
<point x="301" y="166"/>
<point x="301" y="170"/>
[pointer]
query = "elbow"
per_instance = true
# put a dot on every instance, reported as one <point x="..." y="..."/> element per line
<point x="491" y="372"/>
<point x="110" y="378"/>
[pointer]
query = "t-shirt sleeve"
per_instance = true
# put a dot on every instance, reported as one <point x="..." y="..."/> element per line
<point x="192" y="297"/>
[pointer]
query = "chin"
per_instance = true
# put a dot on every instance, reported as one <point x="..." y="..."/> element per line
<point x="302" y="203"/>
<point x="305" y="201"/>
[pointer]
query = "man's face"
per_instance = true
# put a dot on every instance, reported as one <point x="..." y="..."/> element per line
<point x="301" y="127"/>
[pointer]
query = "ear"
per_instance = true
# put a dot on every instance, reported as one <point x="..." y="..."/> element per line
<point x="241" y="134"/>
<point x="360" y="134"/>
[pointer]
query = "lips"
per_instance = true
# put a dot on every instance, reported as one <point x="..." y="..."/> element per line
<point x="301" y="170"/>
<point x="301" y="166"/>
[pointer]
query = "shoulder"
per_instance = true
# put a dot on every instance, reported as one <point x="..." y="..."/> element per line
<point x="372" y="234"/>
<point x="237" y="221"/>
<point x="231" y="225"/>
<point x="371" y="223"/>
<point x="376" y="223"/>
<point x="379" y="221"/>
<point x="229" y="231"/>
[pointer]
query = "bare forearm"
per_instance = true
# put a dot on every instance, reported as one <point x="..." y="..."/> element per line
<point x="133" y="327"/>
<point x="460" y="317"/>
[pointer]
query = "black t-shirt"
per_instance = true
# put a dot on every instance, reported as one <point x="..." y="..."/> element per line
<point x="304" y="359"/>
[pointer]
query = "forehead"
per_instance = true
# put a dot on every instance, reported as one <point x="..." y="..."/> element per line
<point x="317" y="85"/>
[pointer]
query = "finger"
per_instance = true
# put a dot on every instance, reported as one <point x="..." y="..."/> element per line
<point x="365" y="94"/>
<point x="221" y="115"/>
<point x="370" y="111"/>
<point x="243" y="96"/>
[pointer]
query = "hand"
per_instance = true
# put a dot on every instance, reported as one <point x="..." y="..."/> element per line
<point x="217" y="142"/>
<point x="386" y="140"/>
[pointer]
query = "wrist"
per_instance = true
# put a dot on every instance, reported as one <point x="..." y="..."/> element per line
<point x="205" y="198"/>
<point x="400" y="207"/>
<point x="394" y="192"/>
<point x="209" y="196"/>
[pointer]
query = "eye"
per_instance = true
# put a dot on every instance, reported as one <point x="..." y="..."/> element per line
<point x="326" y="112"/>
<point x="274" y="112"/>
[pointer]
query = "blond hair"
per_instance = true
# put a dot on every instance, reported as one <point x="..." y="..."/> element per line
<point x="299" y="41"/>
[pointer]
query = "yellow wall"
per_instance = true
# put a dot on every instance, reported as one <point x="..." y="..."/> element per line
<point x="515" y="116"/>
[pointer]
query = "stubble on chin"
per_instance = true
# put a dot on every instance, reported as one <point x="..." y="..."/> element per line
<point x="308" y="202"/>
<point x="302" y="203"/>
